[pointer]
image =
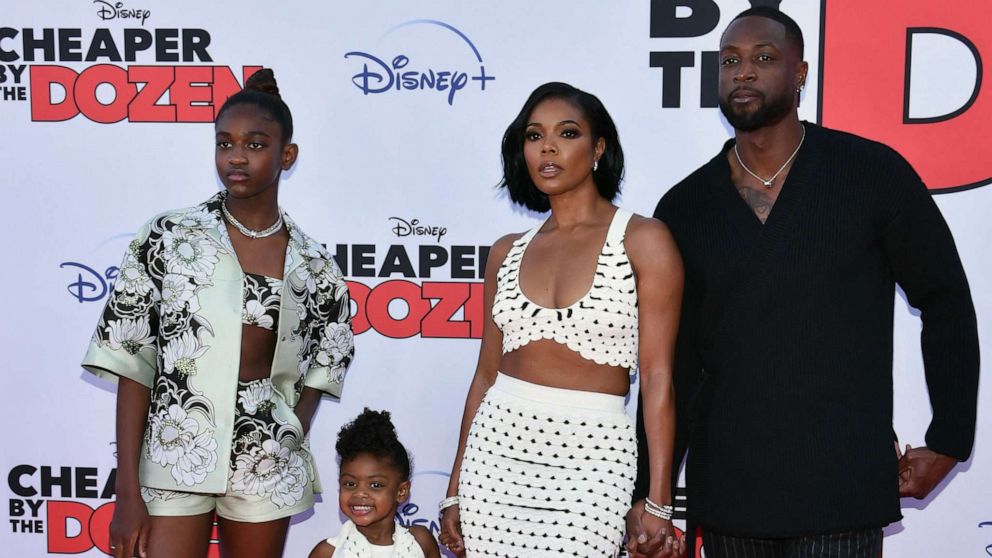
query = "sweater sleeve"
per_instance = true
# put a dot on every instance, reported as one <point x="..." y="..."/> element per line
<point x="920" y="251"/>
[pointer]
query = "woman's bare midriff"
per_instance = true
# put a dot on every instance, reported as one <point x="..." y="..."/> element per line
<point x="258" y="346"/>
<point x="549" y="363"/>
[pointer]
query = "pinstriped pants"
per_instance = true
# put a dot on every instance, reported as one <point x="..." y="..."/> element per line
<point x="865" y="543"/>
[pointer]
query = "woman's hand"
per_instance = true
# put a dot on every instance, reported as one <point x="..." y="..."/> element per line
<point x="451" y="531"/>
<point x="306" y="407"/>
<point x="662" y="541"/>
<point x="130" y="524"/>
<point x="129" y="527"/>
<point x="649" y="536"/>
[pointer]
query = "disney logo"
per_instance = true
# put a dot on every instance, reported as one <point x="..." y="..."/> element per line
<point x="378" y="76"/>
<point x="402" y="227"/>
<point x="107" y="11"/>
<point x="90" y="285"/>
<point x="405" y="516"/>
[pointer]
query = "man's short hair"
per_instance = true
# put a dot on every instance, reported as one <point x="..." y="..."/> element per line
<point x="792" y="30"/>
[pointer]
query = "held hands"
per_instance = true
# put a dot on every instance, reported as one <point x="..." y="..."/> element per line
<point x="921" y="469"/>
<point x="451" y="531"/>
<point x="129" y="528"/>
<point x="651" y="537"/>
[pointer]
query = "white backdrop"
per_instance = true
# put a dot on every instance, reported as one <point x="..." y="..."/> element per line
<point x="371" y="163"/>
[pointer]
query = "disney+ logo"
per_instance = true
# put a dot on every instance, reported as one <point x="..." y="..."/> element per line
<point x="379" y="76"/>
<point x="89" y="284"/>
<point x="108" y="11"/>
<point x="401" y="227"/>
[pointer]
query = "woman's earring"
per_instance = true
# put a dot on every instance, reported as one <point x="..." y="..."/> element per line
<point x="595" y="166"/>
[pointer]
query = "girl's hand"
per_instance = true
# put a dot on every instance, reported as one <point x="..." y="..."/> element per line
<point x="129" y="527"/>
<point x="451" y="531"/>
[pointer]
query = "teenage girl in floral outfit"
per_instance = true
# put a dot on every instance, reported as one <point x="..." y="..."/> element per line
<point x="225" y="326"/>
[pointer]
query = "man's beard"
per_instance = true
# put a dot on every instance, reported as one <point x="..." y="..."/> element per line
<point x="769" y="111"/>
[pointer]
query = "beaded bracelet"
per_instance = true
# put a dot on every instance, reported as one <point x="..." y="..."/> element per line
<point x="448" y="502"/>
<point x="662" y="512"/>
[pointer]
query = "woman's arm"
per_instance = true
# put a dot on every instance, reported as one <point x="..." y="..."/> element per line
<point x="307" y="406"/>
<point x="658" y="268"/>
<point x="130" y="523"/>
<point x="489" y="355"/>
<point x="485" y="374"/>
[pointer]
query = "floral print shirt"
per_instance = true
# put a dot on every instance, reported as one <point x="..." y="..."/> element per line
<point x="173" y="324"/>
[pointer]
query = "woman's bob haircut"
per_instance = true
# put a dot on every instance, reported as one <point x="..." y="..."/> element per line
<point x="516" y="178"/>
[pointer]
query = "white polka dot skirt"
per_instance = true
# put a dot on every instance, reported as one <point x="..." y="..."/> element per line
<point x="546" y="472"/>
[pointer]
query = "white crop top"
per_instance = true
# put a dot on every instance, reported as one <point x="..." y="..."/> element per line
<point x="601" y="326"/>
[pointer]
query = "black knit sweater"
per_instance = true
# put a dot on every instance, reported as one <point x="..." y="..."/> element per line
<point x="784" y="357"/>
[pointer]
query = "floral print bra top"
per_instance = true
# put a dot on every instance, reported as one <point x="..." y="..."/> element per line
<point x="261" y="302"/>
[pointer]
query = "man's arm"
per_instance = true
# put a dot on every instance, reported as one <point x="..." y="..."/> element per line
<point x="921" y="253"/>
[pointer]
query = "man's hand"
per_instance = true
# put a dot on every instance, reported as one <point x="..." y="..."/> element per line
<point x="921" y="469"/>
<point x="651" y="541"/>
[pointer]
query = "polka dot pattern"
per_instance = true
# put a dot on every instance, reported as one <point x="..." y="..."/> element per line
<point x="546" y="479"/>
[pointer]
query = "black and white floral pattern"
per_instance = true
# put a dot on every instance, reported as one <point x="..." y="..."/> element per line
<point x="261" y="301"/>
<point x="270" y="458"/>
<point x="321" y="317"/>
<point x="157" y="329"/>
<point x="155" y="305"/>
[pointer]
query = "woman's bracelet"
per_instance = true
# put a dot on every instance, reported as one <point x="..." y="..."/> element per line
<point x="448" y="502"/>
<point x="662" y="512"/>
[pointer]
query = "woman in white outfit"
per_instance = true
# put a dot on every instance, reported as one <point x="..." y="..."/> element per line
<point x="547" y="456"/>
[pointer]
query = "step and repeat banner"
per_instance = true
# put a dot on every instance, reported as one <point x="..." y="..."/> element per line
<point x="106" y="111"/>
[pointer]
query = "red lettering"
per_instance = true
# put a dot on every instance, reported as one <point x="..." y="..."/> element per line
<point x="359" y="294"/>
<point x="91" y="106"/>
<point x="225" y="84"/>
<point x="424" y="318"/>
<point x="42" y="108"/>
<point x="145" y="107"/>
<point x="473" y="309"/>
<point x="191" y="93"/>
<point x="195" y="93"/>
<point x="450" y="297"/>
<point x="378" y="309"/>
<point x="94" y="528"/>
<point x="868" y="99"/>
<point x="99" y="526"/>
<point x="213" y="551"/>
<point x="58" y="514"/>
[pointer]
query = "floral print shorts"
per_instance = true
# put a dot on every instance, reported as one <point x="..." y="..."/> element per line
<point x="272" y="473"/>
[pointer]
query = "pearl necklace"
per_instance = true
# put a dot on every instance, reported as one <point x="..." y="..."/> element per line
<point x="251" y="233"/>
<point x="768" y="183"/>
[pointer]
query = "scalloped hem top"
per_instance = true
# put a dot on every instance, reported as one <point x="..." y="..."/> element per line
<point x="601" y="326"/>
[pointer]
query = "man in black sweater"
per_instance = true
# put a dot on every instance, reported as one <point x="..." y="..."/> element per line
<point x="793" y="239"/>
